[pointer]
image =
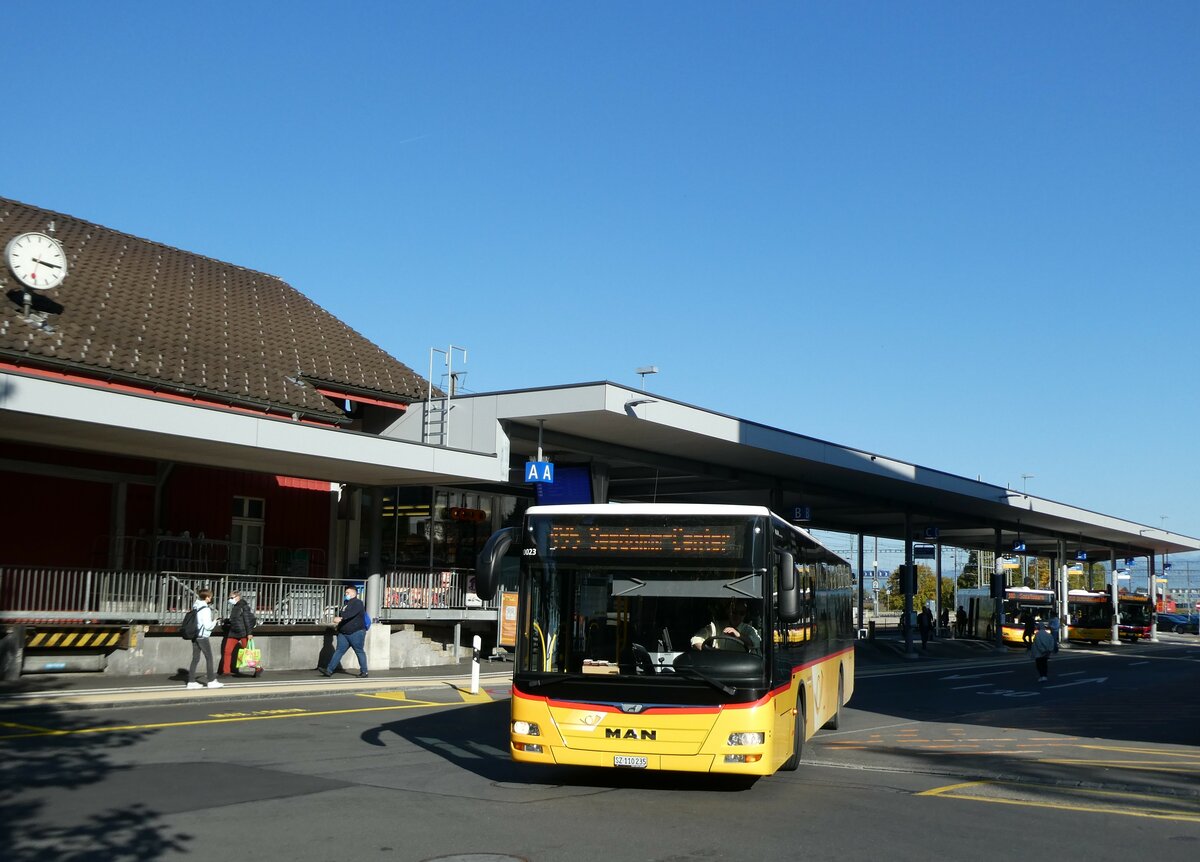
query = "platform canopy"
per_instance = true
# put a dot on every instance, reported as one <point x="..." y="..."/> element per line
<point x="645" y="447"/>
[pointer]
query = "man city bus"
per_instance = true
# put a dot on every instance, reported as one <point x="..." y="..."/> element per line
<point x="678" y="637"/>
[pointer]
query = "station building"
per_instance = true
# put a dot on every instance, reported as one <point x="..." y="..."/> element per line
<point x="169" y="421"/>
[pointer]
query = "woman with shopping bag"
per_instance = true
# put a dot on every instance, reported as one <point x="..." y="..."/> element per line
<point x="239" y="629"/>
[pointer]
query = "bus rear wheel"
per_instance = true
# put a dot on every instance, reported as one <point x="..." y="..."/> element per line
<point x="793" y="761"/>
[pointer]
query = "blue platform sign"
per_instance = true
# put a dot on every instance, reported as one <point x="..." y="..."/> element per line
<point x="539" y="471"/>
<point x="802" y="513"/>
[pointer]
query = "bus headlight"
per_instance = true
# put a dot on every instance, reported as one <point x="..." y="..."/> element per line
<point x="526" y="728"/>
<point x="747" y="738"/>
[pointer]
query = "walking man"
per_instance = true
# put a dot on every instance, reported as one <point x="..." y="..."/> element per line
<point x="925" y="624"/>
<point x="206" y="621"/>
<point x="351" y="633"/>
<point x="1040" y="649"/>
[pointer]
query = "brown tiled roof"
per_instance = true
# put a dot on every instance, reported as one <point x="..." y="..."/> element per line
<point x="139" y="311"/>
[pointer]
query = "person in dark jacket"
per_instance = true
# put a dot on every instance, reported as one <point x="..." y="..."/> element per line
<point x="238" y="627"/>
<point x="351" y="633"/>
<point x="925" y="624"/>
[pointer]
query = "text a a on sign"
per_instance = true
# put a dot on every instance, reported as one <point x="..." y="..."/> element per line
<point x="539" y="472"/>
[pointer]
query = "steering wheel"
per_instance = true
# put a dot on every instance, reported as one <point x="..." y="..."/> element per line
<point x="715" y="641"/>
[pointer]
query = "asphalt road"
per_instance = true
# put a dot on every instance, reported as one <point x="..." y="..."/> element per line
<point x="970" y="760"/>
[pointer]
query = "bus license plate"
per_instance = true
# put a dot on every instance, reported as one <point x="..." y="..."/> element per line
<point x="626" y="760"/>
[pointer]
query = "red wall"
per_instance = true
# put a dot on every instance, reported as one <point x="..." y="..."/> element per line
<point x="66" y="522"/>
<point x="54" y="522"/>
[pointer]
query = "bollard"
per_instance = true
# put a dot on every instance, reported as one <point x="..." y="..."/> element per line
<point x="476" y="643"/>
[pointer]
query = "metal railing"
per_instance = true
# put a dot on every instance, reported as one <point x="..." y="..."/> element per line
<point x="421" y="589"/>
<point x="102" y="595"/>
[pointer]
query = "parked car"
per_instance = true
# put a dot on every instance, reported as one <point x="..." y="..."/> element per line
<point x="1169" y="621"/>
<point x="1191" y="626"/>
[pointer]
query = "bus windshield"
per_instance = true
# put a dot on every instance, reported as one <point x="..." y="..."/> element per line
<point x="1136" y="613"/>
<point x="615" y="599"/>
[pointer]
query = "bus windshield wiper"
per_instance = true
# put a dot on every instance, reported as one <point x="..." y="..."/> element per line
<point x="703" y="677"/>
<point x="562" y="677"/>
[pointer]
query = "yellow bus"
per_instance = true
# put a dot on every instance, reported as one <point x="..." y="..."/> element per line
<point x="694" y="638"/>
<point x="1018" y="602"/>
<point x="1089" y="616"/>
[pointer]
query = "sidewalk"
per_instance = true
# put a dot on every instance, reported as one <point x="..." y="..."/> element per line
<point x="75" y="690"/>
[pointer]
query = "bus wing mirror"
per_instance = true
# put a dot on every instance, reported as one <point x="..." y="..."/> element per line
<point x="487" y="564"/>
<point x="789" y="589"/>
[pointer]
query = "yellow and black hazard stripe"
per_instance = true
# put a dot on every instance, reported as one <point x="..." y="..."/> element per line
<point x="75" y="638"/>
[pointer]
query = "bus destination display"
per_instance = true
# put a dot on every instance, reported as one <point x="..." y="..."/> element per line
<point x="722" y="541"/>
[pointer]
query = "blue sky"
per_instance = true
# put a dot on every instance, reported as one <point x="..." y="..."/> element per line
<point x="960" y="234"/>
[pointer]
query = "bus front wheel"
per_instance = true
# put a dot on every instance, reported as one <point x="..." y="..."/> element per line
<point x="793" y="761"/>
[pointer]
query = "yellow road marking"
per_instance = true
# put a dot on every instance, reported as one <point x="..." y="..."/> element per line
<point x="385" y="695"/>
<point x="1144" y="765"/>
<point x="1128" y="750"/>
<point x="16" y="726"/>
<point x="224" y="720"/>
<point x="1119" y="804"/>
<point x="482" y="697"/>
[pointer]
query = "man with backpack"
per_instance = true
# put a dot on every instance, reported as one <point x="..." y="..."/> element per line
<point x="238" y="628"/>
<point x="197" y="627"/>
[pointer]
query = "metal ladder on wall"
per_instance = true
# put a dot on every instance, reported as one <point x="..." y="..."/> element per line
<point x="436" y="428"/>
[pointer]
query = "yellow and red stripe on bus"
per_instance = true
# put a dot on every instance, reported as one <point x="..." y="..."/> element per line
<point x="680" y="738"/>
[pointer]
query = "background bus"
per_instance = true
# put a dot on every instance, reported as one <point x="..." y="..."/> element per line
<point x="1089" y="616"/>
<point x="1135" y="614"/>
<point x="627" y="653"/>
<point x="1018" y="602"/>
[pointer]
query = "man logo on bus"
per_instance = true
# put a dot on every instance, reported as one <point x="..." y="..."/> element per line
<point x="629" y="733"/>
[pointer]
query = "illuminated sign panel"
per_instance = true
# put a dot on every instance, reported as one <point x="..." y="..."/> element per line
<point x="720" y="541"/>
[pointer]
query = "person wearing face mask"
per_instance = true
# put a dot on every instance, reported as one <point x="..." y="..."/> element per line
<point x="238" y="628"/>
<point x="351" y="633"/>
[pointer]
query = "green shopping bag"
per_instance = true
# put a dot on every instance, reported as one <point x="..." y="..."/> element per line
<point x="250" y="658"/>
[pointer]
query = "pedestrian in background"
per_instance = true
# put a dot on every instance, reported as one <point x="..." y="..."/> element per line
<point x="1041" y="648"/>
<point x="351" y="633"/>
<point x="925" y="624"/>
<point x="960" y="622"/>
<point x="1030" y="624"/>
<point x="206" y="621"/>
<point x="1055" y="627"/>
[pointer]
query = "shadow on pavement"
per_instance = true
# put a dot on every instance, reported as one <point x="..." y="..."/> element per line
<point x="475" y="739"/>
<point x="1087" y="708"/>
<point x="43" y="766"/>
